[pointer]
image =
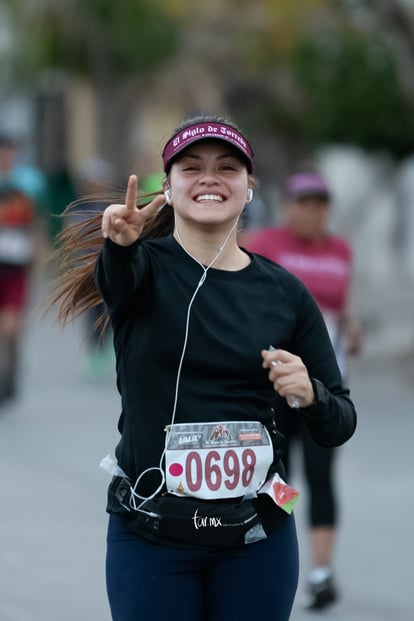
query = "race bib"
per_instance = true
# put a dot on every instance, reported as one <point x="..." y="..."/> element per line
<point x="217" y="460"/>
<point x="16" y="246"/>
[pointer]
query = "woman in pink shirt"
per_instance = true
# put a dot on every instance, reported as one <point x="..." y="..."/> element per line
<point x="323" y="262"/>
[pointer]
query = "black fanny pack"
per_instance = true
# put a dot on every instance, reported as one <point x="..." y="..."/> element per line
<point x="197" y="522"/>
<point x="190" y="521"/>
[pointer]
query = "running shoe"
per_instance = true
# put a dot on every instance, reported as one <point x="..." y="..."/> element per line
<point x="322" y="594"/>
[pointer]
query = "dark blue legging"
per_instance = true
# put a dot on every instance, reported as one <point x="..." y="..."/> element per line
<point x="150" y="582"/>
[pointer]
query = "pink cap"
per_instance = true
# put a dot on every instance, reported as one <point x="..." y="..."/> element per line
<point x="306" y="184"/>
<point x="199" y="131"/>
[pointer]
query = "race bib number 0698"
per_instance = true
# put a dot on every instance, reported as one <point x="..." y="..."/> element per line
<point x="217" y="460"/>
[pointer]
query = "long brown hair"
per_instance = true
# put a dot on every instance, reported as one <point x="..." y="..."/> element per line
<point x="80" y="242"/>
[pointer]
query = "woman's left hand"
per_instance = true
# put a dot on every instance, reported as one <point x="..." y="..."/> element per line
<point x="288" y="375"/>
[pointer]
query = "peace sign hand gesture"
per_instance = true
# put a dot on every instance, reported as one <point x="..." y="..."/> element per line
<point x="123" y="224"/>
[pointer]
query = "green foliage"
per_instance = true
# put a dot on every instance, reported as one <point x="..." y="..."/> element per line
<point x="352" y="93"/>
<point x="138" y="35"/>
<point x="99" y="38"/>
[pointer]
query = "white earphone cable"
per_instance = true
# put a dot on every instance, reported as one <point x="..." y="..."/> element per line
<point x="159" y="468"/>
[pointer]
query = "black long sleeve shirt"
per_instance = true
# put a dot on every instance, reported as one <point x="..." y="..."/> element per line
<point x="147" y="288"/>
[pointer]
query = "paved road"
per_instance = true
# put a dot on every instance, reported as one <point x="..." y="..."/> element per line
<point x="52" y="524"/>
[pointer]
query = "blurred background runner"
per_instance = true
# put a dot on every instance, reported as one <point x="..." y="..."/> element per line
<point x="304" y="246"/>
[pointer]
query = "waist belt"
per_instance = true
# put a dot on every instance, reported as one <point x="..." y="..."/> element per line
<point x="190" y="521"/>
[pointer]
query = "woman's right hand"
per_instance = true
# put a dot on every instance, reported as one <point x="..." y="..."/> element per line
<point x="123" y="224"/>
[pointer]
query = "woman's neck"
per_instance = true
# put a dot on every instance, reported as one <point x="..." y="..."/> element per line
<point x="218" y="250"/>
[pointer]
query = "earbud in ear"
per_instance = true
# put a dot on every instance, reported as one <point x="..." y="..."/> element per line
<point x="167" y="194"/>
<point x="249" y="195"/>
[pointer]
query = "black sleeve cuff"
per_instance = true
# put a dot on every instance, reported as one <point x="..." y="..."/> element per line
<point x="108" y="243"/>
<point x="321" y="397"/>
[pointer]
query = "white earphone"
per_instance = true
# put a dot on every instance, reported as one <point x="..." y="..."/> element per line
<point x="249" y="195"/>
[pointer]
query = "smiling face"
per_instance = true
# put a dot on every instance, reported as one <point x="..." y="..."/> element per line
<point x="209" y="184"/>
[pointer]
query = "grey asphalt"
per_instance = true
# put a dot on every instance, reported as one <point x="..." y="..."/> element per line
<point x="52" y="519"/>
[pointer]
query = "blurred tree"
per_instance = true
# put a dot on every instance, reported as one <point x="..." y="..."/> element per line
<point x="98" y="38"/>
<point x="352" y="93"/>
<point x="294" y="74"/>
<point x="113" y="44"/>
<point x="394" y="18"/>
